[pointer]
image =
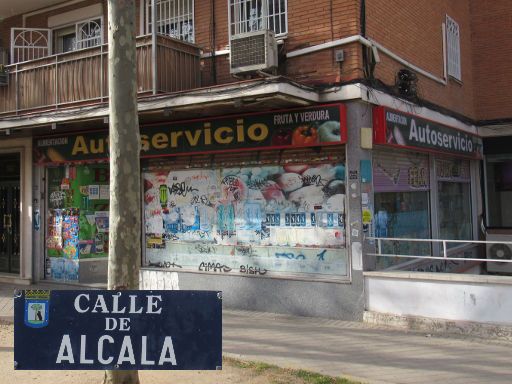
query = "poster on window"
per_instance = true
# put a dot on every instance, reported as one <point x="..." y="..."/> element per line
<point x="286" y="219"/>
<point x="78" y="222"/>
<point x="62" y="243"/>
<point x="453" y="170"/>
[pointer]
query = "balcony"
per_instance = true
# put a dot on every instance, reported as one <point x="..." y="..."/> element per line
<point x="80" y="77"/>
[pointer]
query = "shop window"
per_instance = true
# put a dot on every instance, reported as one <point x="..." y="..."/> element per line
<point x="453" y="48"/>
<point x="454" y="191"/>
<point x="85" y="34"/>
<point x="402" y="209"/>
<point x="402" y="215"/>
<point x="77" y="225"/>
<point x="263" y="220"/>
<point x="254" y="15"/>
<point x="499" y="192"/>
<point x="174" y="18"/>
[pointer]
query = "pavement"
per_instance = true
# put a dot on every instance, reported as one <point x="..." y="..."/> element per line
<point x="368" y="353"/>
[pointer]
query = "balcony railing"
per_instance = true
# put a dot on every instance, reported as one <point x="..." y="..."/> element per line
<point x="81" y="77"/>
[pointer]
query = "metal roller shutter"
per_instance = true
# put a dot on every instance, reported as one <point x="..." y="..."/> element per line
<point x="400" y="171"/>
<point x="331" y="154"/>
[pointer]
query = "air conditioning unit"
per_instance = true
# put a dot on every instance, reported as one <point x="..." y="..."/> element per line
<point x="253" y="51"/>
<point x="499" y="251"/>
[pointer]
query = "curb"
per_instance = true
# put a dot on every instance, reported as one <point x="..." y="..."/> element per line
<point x="485" y="331"/>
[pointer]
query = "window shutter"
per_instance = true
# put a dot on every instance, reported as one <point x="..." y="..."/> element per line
<point x="453" y="48"/>
<point x="400" y="171"/>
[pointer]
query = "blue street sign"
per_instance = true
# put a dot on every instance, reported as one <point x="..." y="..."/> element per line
<point x="88" y="329"/>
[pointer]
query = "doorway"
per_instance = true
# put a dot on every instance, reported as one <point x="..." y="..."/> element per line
<point x="10" y="213"/>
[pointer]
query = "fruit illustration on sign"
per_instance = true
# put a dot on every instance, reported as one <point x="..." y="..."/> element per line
<point x="305" y="135"/>
<point x="329" y="132"/>
<point x="282" y="136"/>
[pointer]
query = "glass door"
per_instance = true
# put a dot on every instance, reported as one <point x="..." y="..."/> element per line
<point x="10" y="214"/>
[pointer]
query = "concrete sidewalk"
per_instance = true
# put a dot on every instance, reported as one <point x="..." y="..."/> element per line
<point x="367" y="353"/>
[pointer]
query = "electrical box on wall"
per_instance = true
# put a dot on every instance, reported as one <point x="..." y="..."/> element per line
<point x="366" y="138"/>
<point x="339" y="55"/>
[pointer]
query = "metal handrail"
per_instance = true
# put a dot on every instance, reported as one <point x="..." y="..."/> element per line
<point x="430" y="257"/>
<point x="99" y="52"/>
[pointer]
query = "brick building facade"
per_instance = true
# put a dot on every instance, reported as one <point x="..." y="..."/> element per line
<point x="372" y="118"/>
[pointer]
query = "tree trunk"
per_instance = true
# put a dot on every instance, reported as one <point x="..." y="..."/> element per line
<point x="124" y="143"/>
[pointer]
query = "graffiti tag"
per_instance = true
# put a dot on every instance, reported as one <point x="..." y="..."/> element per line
<point x="213" y="267"/>
<point x="181" y="189"/>
<point x="290" y="255"/>
<point x="250" y="270"/>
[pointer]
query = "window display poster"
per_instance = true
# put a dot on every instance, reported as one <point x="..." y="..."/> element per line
<point x="62" y="243"/>
<point x="453" y="170"/>
<point x="77" y="226"/>
<point x="279" y="218"/>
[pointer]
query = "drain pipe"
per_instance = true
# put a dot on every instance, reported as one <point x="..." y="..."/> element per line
<point x="153" y="44"/>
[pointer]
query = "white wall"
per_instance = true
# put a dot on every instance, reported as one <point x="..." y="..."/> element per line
<point x="486" y="299"/>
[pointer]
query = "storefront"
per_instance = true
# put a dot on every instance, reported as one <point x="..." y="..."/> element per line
<point x="259" y="195"/>
<point x="265" y="199"/>
<point x="425" y="183"/>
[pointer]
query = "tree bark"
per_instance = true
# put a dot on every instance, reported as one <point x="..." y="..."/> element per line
<point x="124" y="143"/>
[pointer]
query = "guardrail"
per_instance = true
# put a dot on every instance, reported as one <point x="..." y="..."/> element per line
<point x="445" y="249"/>
<point x="81" y="77"/>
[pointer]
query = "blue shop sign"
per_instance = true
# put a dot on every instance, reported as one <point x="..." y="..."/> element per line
<point x="98" y="330"/>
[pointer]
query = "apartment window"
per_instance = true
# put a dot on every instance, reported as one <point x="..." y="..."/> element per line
<point x="81" y="35"/>
<point x="88" y="34"/>
<point x="254" y="15"/>
<point x="453" y="48"/>
<point x="174" y="18"/>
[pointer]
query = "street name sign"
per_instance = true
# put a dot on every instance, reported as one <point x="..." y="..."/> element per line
<point x="110" y="330"/>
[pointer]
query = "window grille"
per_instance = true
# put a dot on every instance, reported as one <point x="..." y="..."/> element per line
<point x="254" y="15"/>
<point x="88" y="34"/>
<point x="453" y="48"/>
<point x="30" y="44"/>
<point x="174" y="18"/>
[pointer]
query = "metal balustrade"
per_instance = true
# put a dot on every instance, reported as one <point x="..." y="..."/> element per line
<point x="444" y="248"/>
<point x="80" y="77"/>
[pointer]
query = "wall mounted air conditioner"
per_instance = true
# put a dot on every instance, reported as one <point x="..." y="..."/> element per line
<point x="253" y="51"/>
<point x="499" y="251"/>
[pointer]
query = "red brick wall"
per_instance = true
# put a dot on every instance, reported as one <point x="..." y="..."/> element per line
<point x="5" y="31"/>
<point x="308" y="24"/>
<point x="492" y="58"/>
<point x="412" y="30"/>
<point x="311" y="23"/>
